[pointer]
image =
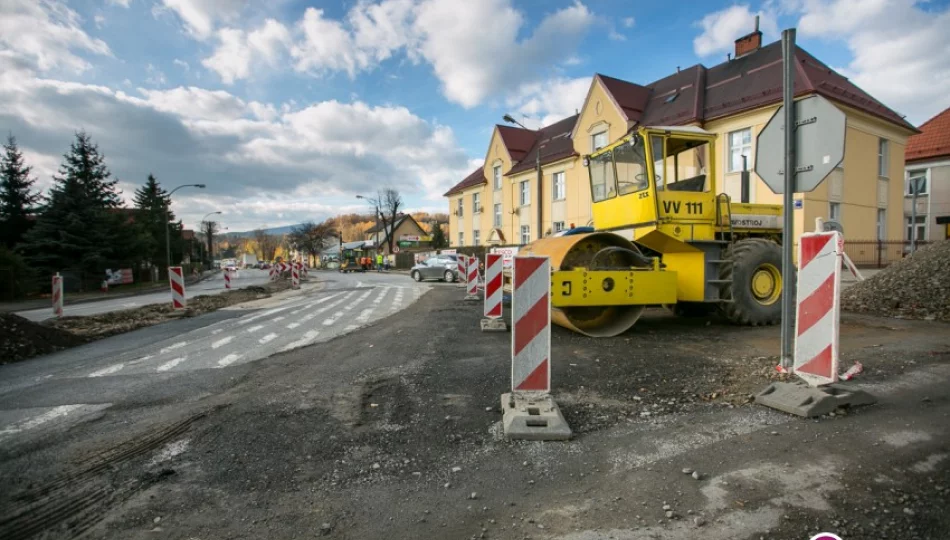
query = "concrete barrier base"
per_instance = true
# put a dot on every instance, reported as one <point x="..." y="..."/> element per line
<point x="494" y="325"/>
<point x="808" y="401"/>
<point x="533" y="418"/>
<point x="472" y="297"/>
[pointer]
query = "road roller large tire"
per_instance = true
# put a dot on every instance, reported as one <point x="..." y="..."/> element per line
<point x="754" y="296"/>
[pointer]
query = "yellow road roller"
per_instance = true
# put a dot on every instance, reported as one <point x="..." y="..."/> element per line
<point x="663" y="236"/>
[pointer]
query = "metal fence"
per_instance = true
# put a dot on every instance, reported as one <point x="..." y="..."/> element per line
<point x="878" y="253"/>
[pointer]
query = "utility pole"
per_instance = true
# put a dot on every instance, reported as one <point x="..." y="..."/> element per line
<point x="168" y="241"/>
<point x="788" y="214"/>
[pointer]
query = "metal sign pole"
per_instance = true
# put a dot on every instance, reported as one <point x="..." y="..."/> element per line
<point x="788" y="226"/>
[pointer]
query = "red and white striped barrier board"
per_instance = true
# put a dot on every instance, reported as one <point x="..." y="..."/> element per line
<point x="295" y="276"/>
<point x="227" y="279"/>
<point x="177" y="280"/>
<point x="273" y="272"/>
<point x="531" y="325"/>
<point x="57" y="295"/>
<point x="818" y="307"/>
<point x="303" y="270"/>
<point x="471" y="273"/>
<point x="493" y="281"/>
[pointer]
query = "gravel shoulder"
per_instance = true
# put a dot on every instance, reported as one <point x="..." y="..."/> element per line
<point x="393" y="432"/>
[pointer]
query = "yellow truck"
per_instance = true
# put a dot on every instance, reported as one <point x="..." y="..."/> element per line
<point x="663" y="235"/>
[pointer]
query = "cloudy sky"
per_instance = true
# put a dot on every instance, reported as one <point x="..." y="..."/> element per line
<point x="287" y="109"/>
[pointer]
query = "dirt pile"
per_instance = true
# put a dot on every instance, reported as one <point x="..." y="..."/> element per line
<point x="21" y="339"/>
<point x="118" y="322"/>
<point x="917" y="287"/>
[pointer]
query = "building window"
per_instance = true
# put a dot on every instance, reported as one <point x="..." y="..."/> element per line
<point x="598" y="141"/>
<point x="560" y="189"/>
<point x="458" y="211"/>
<point x="461" y="239"/>
<point x="834" y="211"/>
<point x="917" y="183"/>
<point x="497" y="215"/>
<point x="558" y="226"/>
<point x="883" y="160"/>
<point x="525" y="234"/>
<point x="525" y="193"/>
<point x="881" y="224"/>
<point x="476" y="237"/>
<point x="476" y="203"/>
<point x="740" y="144"/>
<point x="497" y="176"/>
<point x="918" y="227"/>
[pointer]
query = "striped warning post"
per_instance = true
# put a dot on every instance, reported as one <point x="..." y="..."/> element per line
<point x="531" y="322"/>
<point x="493" y="267"/>
<point x="227" y="279"/>
<point x="273" y="272"/>
<point x="295" y="275"/>
<point x="177" y="280"/>
<point x="57" y="295"/>
<point x="818" y="307"/>
<point x="471" y="276"/>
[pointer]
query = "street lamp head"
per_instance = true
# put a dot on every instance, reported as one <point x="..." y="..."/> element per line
<point x="508" y="118"/>
<point x="200" y="186"/>
<point x="360" y="197"/>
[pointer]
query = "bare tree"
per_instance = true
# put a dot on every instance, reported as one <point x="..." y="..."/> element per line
<point x="209" y="229"/>
<point x="311" y="237"/>
<point x="387" y="204"/>
<point x="266" y="243"/>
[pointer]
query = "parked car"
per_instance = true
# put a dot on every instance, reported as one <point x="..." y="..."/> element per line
<point x="443" y="267"/>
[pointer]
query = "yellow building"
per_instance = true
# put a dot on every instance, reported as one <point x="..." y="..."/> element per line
<point x="735" y="100"/>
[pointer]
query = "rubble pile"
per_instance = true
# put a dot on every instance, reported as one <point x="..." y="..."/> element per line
<point x="21" y="339"/>
<point x="918" y="287"/>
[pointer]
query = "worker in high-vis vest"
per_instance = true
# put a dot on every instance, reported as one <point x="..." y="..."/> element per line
<point x="379" y="262"/>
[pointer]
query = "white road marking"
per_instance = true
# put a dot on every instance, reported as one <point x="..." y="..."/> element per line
<point x="350" y="328"/>
<point x="397" y="300"/>
<point x="107" y="370"/>
<point x="333" y="318"/>
<point x="305" y="340"/>
<point x="365" y="315"/>
<point x="222" y="341"/>
<point x="254" y="328"/>
<point x="277" y="319"/>
<point x="293" y="325"/>
<point x="379" y="298"/>
<point x="228" y="360"/>
<point x="262" y="314"/>
<point x="217" y="331"/>
<point x="168" y="365"/>
<point x="359" y="284"/>
<point x="37" y="421"/>
<point x="266" y="339"/>
<point x="172" y="347"/>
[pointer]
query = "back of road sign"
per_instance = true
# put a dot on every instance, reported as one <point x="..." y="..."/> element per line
<point x="819" y="145"/>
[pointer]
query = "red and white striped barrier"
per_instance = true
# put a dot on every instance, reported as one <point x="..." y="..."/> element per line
<point x="177" y="281"/>
<point x="57" y="295"/>
<point x="493" y="281"/>
<point x="818" y="307"/>
<point x="227" y="279"/>
<point x="295" y="275"/>
<point x="531" y="325"/>
<point x="471" y="278"/>
<point x="274" y="272"/>
<point x="303" y="270"/>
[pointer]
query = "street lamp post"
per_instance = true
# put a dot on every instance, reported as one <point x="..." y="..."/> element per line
<point x="201" y="224"/>
<point x="377" y="215"/>
<point x="168" y="240"/>
<point x="537" y="163"/>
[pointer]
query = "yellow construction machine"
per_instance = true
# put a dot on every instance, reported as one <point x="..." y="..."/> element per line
<point x="663" y="236"/>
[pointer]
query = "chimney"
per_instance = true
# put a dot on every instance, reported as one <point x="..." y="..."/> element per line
<point x="749" y="43"/>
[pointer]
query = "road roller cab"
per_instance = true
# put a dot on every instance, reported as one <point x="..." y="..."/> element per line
<point x="664" y="236"/>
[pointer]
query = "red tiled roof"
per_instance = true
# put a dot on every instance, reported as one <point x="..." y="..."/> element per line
<point x="517" y="140"/>
<point x="476" y="178"/>
<point x="699" y="94"/>
<point x="933" y="141"/>
<point x="555" y="143"/>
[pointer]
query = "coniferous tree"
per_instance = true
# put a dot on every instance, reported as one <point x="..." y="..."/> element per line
<point x="438" y="236"/>
<point x="153" y="205"/>
<point x="81" y="227"/>
<point x="18" y="201"/>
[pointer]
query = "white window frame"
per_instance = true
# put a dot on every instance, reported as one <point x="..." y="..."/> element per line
<point x="593" y="140"/>
<point x="496" y="173"/>
<point x="744" y="149"/>
<point x="497" y="215"/>
<point x="921" y="227"/>
<point x="525" y="234"/>
<point x="919" y="174"/>
<point x="460" y="209"/>
<point x="461" y="238"/>
<point x="524" y="192"/>
<point x="476" y="203"/>
<point x="834" y="215"/>
<point x="476" y="237"/>
<point x="883" y="158"/>
<point x="558" y="226"/>
<point x="559" y="188"/>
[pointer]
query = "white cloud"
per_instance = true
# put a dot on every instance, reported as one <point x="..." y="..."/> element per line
<point x="100" y="20"/>
<point x="546" y="102"/>
<point x="196" y="103"/>
<point x="201" y="16"/>
<point x="45" y="36"/>
<point x="721" y="28"/>
<point x="154" y="76"/>
<point x="900" y="49"/>
<point x="182" y="64"/>
<point x="327" y="46"/>
<point x="123" y="3"/>
<point x="237" y="51"/>
<point x="628" y="22"/>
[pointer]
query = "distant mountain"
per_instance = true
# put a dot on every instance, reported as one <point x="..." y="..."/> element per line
<point x="277" y="231"/>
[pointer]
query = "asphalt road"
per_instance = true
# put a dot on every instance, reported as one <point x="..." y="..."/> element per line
<point x="213" y="285"/>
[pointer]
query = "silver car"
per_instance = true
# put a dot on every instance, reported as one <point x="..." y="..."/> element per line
<point x="444" y="267"/>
